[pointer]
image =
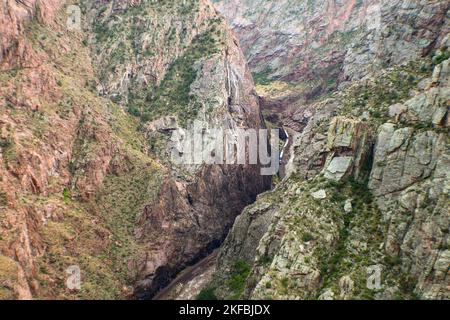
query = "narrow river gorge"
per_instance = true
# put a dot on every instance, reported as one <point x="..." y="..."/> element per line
<point x="189" y="282"/>
<point x="98" y="100"/>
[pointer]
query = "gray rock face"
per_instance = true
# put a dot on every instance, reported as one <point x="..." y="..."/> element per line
<point x="247" y="231"/>
<point x="347" y="146"/>
<point x="302" y="39"/>
<point x="321" y="194"/>
<point x="385" y="214"/>
<point x="338" y="168"/>
<point x="348" y="207"/>
<point x="411" y="181"/>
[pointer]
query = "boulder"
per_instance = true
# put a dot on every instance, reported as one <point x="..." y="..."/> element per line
<point x="339" y="168"/>
<point x="321" y="194"/>
<point x="348" y="208"/>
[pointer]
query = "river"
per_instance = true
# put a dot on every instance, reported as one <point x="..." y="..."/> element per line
<point x="190" y="281"/>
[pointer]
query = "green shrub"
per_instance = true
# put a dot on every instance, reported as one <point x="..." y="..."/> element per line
<point x="207" y="294"/>
<point x="241" y="271"/>
<point x="262" y="78"/>
<point x="307" y="237"/>
<point x="72" y="167"/>
<point x="441" y="57"/>
<point x="392" y="261"/>
<point x="408" y="284"/>
<point x="266" y="260"/>
<point x="3" y="199"/>
<point x="5" y="143"/>
<point x="133" y="110"/>
<point x="67" y="195"/>
<point x="285" y="282"/>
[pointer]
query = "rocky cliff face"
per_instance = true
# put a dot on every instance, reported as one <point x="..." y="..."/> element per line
<point x="90" y="119"/>
<point x="181" y="65"/>
<point x="365" y="200"/>
<point x="294" y="40"/>
<point x="298" y="50"/>
<point x="86" y="120"/>
<point x="71" y="162"/>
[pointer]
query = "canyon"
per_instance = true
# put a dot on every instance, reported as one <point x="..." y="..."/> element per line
<point x="86" y="173"/>
<point x="91" y="115"/>
<point x="363" y="85"/>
